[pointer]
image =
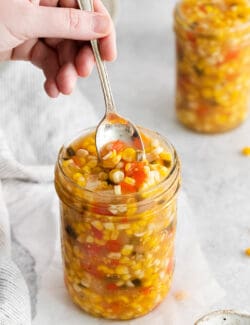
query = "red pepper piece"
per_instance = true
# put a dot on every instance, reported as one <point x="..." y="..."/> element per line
<point x="101" y="209"/>
<point x="92" y="270"/>
<point x="97" y="233"/>
<point x="77" y="161"/>
<point x="170" y="267"/>
<point x="92" y="249"/>
<point x="127" y="188"/>
<point x="114" y="263"/>
<point x="232" y="77"/>
<point x="191" y="37"/>
<point x="202" y="111"/>
<point x="118" y="146"/>
<point x="113" y="246"/>
<point x="137" y="172"/>
<point x="112" y="287"/>
<point x="203" y="8"/>
<point x="146" y="290"/>
<point x="116" y="308"/>
<point x="231" y="55"/>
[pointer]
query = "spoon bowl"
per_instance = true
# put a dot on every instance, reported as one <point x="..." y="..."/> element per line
<point x="113" y="126"/>
<point x="225" y="317"/>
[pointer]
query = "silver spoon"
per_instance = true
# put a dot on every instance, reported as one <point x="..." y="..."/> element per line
<point x="113" y="126"/>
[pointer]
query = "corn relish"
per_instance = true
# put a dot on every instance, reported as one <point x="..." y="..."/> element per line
<point x="213" y="63"/>
<point x="118" y="223"/>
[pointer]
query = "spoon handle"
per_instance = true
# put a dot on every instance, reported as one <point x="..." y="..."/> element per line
<point x="102" y="71"/>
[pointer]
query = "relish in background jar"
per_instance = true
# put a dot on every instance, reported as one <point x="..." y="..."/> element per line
<point x="118" y="250"/>
<point x="213" y="63"/>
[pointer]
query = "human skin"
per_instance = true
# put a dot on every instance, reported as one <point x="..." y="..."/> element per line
<point x="53" y="35"/>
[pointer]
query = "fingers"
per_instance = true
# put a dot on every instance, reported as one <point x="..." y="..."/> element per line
<point x="67" y="23"/>
<point x="107" y="44"/>
<point x="47" y="3"/>
<point x="46" y="59"/>
<point x="67" y="75"/>
<point x="68" y="3"/>
<point x="85" y="61"/>
<point x="23" y="51"/>
<point x="63" y="60"/>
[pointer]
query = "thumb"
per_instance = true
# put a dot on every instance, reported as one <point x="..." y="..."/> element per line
<point x="68" y="23"/>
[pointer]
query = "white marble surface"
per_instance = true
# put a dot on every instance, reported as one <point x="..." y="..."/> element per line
<point x="216" y="177"/>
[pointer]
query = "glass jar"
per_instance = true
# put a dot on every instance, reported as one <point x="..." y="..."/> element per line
<point x="118" y="250"/>
<point x="213" y="64"/>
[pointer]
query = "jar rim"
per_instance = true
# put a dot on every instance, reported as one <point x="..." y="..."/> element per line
<point x="131" y="195"/>
<point x="179" y="15"/>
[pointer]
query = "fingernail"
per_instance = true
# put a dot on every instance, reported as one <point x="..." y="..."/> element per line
<point x="101" y="24"/>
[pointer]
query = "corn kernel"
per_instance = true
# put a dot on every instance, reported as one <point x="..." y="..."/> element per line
<point x="97" y="170"/>
<point x="111" y="161"/>
<point x="82" y="153"/>
<point x="114" y="256"/>
<point x="247" y="251"/>
<point x="125" y="260"/>
<point x="129" y="180"/>
<point x="89" y="239"/>
<point x="114" y="235"/>
<point x="92" y="163"/>
<point x="123" y="299"/>
<point x="166" y="156"/>
<point x="127" y="250"/>
<point x="129" y="154"/>
<point x="67" y="163"/>
<point x="164" y="171"/>
<point x="116" y="176"/>
<point x="117" y="190"/>
<point x="99" y="242"/>
<point x="109" y="155"/>
<point x="103" y="176"/>
<point x="80" y="179"/>
<point x="139" y="273"/>
<point x="130" y="284"/>
<point x="157" y="150"/>
<point x="121" y="270"/>
<point x="180" y="295"/>
<point x="123" y="226"/>
<point x="97" y="224"/>
<point x="92" y="149"/>
<point x="126" y="277"/>
<point x="105" y="269"/>
<point x="246" y="151"/>
<point x="109" y="226"/>
<point x="86" y="169"/>
<point x="76" y="176"/>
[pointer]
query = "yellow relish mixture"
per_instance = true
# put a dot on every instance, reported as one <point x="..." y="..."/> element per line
<point x="118" y="225"/>
<point x="213" y="63"/>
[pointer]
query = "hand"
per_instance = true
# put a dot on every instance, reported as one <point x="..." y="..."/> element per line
<point x="54" y="39"/>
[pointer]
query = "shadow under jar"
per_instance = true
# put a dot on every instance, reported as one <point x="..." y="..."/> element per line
<point x="213" y="64"/>
<point x="118" y="250"/>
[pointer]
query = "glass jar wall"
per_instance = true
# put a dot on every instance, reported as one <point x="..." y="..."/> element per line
<point x="118" y="250"/>
<point x="213" y="64"/>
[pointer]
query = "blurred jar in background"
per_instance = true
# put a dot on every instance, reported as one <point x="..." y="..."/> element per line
<point x="213" y="63"/>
